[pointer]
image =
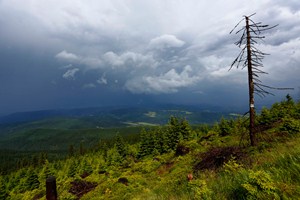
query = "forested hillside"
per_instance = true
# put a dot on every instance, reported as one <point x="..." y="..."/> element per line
<point x="177" y="161"/>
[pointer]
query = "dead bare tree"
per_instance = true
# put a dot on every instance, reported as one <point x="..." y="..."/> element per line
<point x="251" y="57"/>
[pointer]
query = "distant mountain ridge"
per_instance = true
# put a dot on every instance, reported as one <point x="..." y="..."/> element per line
<point x="35" y="130"/>
<point x="22" y="117"/>
<point x="44" y="114"/>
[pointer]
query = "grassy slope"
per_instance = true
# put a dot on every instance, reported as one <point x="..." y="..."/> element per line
<point x="276" y="167"/>
<point x="269" y="171"/>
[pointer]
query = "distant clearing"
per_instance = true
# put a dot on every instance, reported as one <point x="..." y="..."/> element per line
<point x="140" y="124"/>
<point x="151" y="114"/>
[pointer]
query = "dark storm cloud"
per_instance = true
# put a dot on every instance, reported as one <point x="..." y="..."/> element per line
<point x="129" y="49"/>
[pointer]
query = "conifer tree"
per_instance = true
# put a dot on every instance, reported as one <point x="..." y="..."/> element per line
<point x="13" y="182"/>
<point x="86" y="167"/>
<point x="185" y="129"/>
<point x="3" y="190"/>
<point x="174" y="133"/>
<point x="20" y="180"/>
<point x="42" y="158"/>
<point x="156" y="141"/>
<point x="224" y="127"/>
<point x="145" y="143"/>
<point x="46" y="170"/>
<point x="121" y="145"/>
<point x="81" y="149"/>
<point x="32" y="181"/>
<point x="34" y="160"/>
<point x="163" y="141"/>
<point x="113" y="157"/>
<point x="72" y="168"/>
<point x="71" y="150"/>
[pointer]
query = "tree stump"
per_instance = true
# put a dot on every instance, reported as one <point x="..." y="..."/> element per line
<point x="51" y="192"/>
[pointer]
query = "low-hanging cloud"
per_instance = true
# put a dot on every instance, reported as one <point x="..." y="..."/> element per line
<point x="66" y="56"/>
<point x="169" y="82"/>
<point x="72" y="58"/>
<point x="165" y="41"/>
<point x="130" y="59"/>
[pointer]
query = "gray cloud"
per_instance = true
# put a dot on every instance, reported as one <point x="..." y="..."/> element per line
<point x="131" y="59"/>
<point x="69" y="57"/>
<point x="70" y="74"/>
<point x="151" y="47"/>
<point x="169" y="82"/>
<point x="165" y="41"/>
<point x="102" y="80"/>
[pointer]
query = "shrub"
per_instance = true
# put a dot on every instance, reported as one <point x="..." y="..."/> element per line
<point x="265" y="117"/>
<point x="199" y="189"/>
<point x="232" y="166"/>
<point x="258" y="186"/>
<point x="224" y="127"/>
<point x="291" y="126"/>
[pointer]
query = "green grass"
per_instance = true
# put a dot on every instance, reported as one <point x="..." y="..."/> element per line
<point x="232" y="168"/>
<point x="269" y="173"/>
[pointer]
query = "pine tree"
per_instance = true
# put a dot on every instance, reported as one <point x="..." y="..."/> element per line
<point x="20" y="180"/>
<point x="46" y="170"/>
<point x="104" y="148"/>
<point x="113" y="157"/>
<point x="224" y="127"/>
<point x="81" y="149"/>
<point x="72" y="168"/>
<point x="144" y="146"/>
<point x="174" y="133"/>
<point x="163" y="141"/>
<point x="121" y="146"/>
<point x="3" y="190"/>
<point x="42" y="158"/>
<point x="34" y="160"/>
<point x="71" y="150"/>
<point x="155" y="148"/>
<point x="86" y="167"/>
<point x="185" y="129"/>
<point x="13" y="182"/>
<point x="32" y="181"/>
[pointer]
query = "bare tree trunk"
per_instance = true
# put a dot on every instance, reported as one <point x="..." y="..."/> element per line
<point x="251" y="86"/>
<point x="251" y="57"/>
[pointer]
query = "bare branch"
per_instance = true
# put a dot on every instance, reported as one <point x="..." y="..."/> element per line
<point x="251" y="35"/>
<point x="236" y="26"/>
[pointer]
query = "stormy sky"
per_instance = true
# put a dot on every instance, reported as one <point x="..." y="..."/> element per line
<point x="72" y="53"/>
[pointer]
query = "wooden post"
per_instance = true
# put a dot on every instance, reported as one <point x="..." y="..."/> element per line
<point x="251" y="86"/>
<point x="51" y="192"/>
